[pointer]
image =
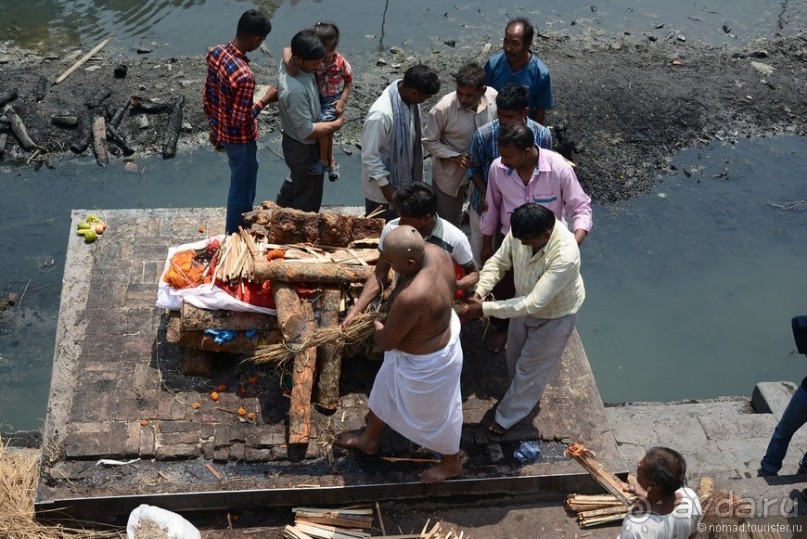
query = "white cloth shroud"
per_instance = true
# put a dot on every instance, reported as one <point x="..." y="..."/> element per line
<point x="419" y="395"/>
<point x="206" y="296"/>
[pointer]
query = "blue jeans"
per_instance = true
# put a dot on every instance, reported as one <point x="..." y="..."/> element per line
<point x="243" y="159"/>
<point x="792" y="420"/>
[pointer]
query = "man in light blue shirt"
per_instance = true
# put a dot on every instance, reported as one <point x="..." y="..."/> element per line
<point x="298" y="101"/>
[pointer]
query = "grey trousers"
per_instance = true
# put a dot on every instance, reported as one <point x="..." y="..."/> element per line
<point x="301" y="190"/>
<point x="534" y="349"/>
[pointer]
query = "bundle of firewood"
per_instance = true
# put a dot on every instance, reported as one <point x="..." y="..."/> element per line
<point x="313" y="523"/>
<point x="588" y="460"/>
<point x="236" y="258"/>
<point x="595" y="509"/>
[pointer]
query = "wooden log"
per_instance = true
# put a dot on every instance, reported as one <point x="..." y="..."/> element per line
<point x="330" y="355"/>
<point x="7" y="97"/>
<point x="172" y="129"/>
<point x="290" y="315"/>
<point x="310" y="272"/>
<point x="82" y="60"/>
<point x="98" y="141"/>
<point x="41" y="88"/>
<point x="302" y="378"/>
<point x="83" y="135"/>
<point x="67" y="121"/>
<point x="150" y="106"/>
<point x="288" y="226"/>
<point x="241" y="344"/>
<point x="334" y="229"/>
<point x="117" y="136"/>
<point x="117" y="117"/>
<point x="173" y="328"/>
<point x="609" y="481"/>
<point x="197" y="363"/>
<point x="364" y="227"/>
<point x="98" y="97"/>
<point x="196" y="319"/>
<point x="19" y="130"/>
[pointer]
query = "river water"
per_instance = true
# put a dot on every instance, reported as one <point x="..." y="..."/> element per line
<point x="690" y="287"/>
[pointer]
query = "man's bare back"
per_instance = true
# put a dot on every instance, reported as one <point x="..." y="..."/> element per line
<point x="428" y="295"/>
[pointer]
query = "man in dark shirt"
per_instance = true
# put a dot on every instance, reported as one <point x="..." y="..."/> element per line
<point x="228" y="103"/>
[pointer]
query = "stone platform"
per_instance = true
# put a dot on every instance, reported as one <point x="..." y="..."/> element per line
<point x="117" y="393"/>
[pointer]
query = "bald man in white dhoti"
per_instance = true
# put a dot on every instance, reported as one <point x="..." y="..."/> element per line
<point x="417" y="389"/>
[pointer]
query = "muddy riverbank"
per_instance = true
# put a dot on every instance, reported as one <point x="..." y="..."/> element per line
<point x="624" y="104"/>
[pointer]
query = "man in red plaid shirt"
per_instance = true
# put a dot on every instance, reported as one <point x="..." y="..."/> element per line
<point x="228" y="102"/>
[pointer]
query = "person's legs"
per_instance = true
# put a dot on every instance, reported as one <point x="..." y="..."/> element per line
<point x="540" y="353"/>
<point x="448" y="467"/>
<point x="306" y="188"/>
<point x="504" y="289"/>
<point x="449" y="207"/>
<point x="243" y="161"/>
<point x="476" y="236"/>
<point x="367" y="440"/>
<point x="327" y="113"/>
<point x="794" y="417"/>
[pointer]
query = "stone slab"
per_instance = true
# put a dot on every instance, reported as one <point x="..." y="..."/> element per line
<point x="772" y="397"/>
<point x="143" y="406"/>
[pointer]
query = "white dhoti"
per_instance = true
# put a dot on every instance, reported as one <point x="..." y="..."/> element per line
<point x="419" y="395"/>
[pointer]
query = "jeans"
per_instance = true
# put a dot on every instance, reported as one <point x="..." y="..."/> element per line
<point x="243" y="159"/>
<point x="792" y="420"/>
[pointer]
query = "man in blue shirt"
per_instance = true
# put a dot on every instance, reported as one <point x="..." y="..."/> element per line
<point x="511" y="105"/>
<point x="517" y="63"/>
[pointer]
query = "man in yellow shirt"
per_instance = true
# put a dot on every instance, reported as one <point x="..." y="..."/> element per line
<point x="545" y="259"/>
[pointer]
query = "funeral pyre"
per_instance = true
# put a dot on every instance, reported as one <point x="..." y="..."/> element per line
<point x="274" y="292"/>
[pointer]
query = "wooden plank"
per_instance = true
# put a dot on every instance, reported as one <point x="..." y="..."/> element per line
<point x="197" y="363"/>
<point x="316" y="272"/>
<point x="330" y="354"/>
<point x="290" y="316"/>
<point x="302" y="385"/>
<point x="196" y="319"/>
<point x="241" y="344"/>
<point x="609" y="481"/>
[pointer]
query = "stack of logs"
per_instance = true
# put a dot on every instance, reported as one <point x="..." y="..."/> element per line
<point x="322" y="251"/>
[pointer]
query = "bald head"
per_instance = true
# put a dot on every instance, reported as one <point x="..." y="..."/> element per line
<point x="404" y="244"/>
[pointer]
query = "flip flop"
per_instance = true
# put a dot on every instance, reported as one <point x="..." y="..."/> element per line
<point x="495" y="428"/>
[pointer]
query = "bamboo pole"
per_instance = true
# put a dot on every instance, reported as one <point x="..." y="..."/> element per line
<point x="81" y="61"/>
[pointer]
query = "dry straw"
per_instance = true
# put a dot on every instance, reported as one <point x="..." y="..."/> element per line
<point x="360" y="329"/>
<point x="19" y="473"/>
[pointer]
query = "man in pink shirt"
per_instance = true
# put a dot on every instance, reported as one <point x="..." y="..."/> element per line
<point x="526" y="173"/>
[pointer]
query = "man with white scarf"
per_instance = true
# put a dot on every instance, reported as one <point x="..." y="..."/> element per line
<point x="417" y="389"/>
<point x="392" y="154"/>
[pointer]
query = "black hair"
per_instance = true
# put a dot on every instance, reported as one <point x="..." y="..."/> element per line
<point x="422" y="78"/>
<point x="327" y="32"/>
<point x="519" y="135"/>
<point x="307" y="45"/>
<point x="512" y="97"/>
<point x="253" y="23"/>
<point x="529" y="31"/>
<point x="665" y="467"/>
<point x="530" y="221"/>
<point x="415" y="200"/>
<point x="471" y="75"/>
